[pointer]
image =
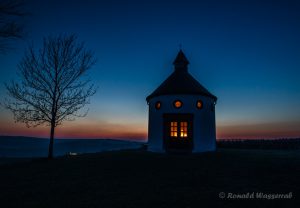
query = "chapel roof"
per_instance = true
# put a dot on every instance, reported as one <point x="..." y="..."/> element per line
<point x="180" y="81"/>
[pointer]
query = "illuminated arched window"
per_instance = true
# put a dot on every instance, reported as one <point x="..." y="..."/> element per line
<point x="199" y="104"/>
<point x="157" y="105"/>
<point x="177" y="104"/>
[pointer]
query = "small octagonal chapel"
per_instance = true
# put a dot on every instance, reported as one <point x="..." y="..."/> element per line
<point x="181" y="113"/>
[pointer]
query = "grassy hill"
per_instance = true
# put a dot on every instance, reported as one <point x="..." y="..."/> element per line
<point x="143" y="179"/>
<point x="28" y="147"/>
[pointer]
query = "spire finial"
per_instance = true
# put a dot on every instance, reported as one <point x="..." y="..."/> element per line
<point x="180" y="46"/>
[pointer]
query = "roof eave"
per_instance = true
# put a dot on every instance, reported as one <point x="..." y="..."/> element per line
<point x="148" y="98"/>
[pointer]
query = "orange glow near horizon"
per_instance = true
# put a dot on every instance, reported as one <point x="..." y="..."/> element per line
<point x="259" y="131"/>
<point x="76" y="130"/>
<point x="138" y="132"/>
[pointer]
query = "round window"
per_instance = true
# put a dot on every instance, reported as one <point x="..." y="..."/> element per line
<point x="157" y="105"/>
<point x="177" y="104"/>
<point x="199" y="104"/>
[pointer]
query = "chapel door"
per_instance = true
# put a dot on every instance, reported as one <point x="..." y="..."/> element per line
<point x="178" y="132"/>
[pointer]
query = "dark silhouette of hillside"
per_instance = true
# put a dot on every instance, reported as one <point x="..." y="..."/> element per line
<point x="139" y="179"/>
<point x="280" y="144"/>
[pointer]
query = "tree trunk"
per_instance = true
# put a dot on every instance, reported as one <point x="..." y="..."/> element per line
<point x="50" y="153"/>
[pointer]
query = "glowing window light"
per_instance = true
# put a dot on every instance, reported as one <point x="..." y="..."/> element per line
<point x="199" y="104"/>
<point x="173" y="132"/>
<point x="178" y="104"/>
<point x="157" y="105"/>
<point x="183" y="129"/>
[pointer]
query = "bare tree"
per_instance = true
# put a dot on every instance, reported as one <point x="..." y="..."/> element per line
<point x="10" y="22"/>
<point x="53" y="84"/>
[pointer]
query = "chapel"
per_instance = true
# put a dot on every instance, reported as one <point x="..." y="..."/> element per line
<point x="181" y="113"/>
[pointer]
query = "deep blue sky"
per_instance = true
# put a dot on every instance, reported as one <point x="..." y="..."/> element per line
<point x="247" y="53"/>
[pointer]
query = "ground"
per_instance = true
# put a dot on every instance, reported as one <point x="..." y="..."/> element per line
<point x="143" y="179"/>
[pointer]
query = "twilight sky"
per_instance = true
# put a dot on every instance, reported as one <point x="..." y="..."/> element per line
<point x="247" y="53"/>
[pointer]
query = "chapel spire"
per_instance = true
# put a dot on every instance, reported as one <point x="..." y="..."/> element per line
<point x="181" y="62"/>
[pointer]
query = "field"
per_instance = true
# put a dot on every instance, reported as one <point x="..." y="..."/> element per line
<point x="141" y="179"/>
